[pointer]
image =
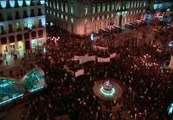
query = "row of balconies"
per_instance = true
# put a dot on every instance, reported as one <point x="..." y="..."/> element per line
<point x="16" y="5"/>
<point x="27" y="35"/>
<point x="17" y="16"/>
<point x="19" y="29"/>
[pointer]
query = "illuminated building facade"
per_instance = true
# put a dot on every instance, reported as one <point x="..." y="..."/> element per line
<point x="85" y="16"/>
<point x="22" y="25"/>
<point x="161" y="4"/>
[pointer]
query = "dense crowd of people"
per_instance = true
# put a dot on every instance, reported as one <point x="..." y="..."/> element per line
<point x="138" y="67"/>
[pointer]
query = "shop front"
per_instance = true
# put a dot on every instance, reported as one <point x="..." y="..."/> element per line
<point x="20" y="47"/>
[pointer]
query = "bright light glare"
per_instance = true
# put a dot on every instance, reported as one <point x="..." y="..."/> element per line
<point x="106" y="92"/>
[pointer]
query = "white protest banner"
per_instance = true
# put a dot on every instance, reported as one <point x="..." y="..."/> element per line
<point x="79" y="73"/>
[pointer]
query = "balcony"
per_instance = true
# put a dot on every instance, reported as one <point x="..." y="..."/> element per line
<point x="18" y="29"/>
<point x="10" y="31"/>
<point x="9" y="18"/>
<point x="24" y="3"/>
<point x="3" y="32"/>
<point x="16" y="4"/>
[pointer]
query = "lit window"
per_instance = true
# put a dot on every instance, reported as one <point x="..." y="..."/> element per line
<point x="93" y="8"/>
<point x="118" y="13"/>
<point x="54" y="6"/>
<point x="28" y="2"/>
<point x="112" y="15"/>
<point x="92" y="19"/>
<point x="62" y="7"/>
<point x="132" y="4"/>
<point x="98" y="8"/>
<point x="3" y="4"/>
<point x="42" y="2"/>
<point x="72" y="20"/>
<point x="141" y="4"/>
<point x="12" y="3"/>
<point x="30" y="24"/>
<point x="17" y="25"/>
<point x="128" y="4"/>
<point x="66" y="7"/>
<point x="135" y="4"/>
<point x="72" y="9"/>
<point x="138" y="4"/>
<point x="107" y="16"/>
<point x="112" y="7"/>
<point x="85" y="21"/>
<point x="62" y="16"/>
<point x="144" y="3"/>
<point x="66" y="18"/>
<point x="103" y="7"/>
<point x="50" y="4"/>
<point x="86" y="10"/>
<point x="108" y="7"/>
<point x="103" y="17"/>
<point x="98" y="18"/>
<point x="57" y="5"/>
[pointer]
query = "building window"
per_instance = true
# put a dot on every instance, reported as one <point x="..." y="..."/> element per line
<point x="62" y="17"/>
<point x="72" y="20"/>
<point x="108" y="7"/>
<point x="33" y="34"/>
<point x="86" y="10"/>
<point x="1" y="17"/>
<point x="103" y="17"/>
<point x="62" y="6"/>
<point x="9" y="16"/>
<point x="107" y="16"/>
<point x="39" y="12"/>
<point x="40" y="33"/>
<point x="19" y="37"/>
<point x="128" y="5"/>
<point x="40" y="23"/>
<point x="54" y="5"/>
<point x="132" y="4"/>
<point x="26" y="35"/>
<point x="3" y="40"/>
<point x="72" y="9"/>
<point x="58" y="15"/>
<point x="98" y="8"/>
<point x="138" y="4"/>
<point x="57" y="5"/>
<point x="98" y="18"/>
<point x="11" y="39"/>
<point x="103" y="7"/>
<point x="17" y="16"/>
<point x="32" y="13"/>
<point x="135" y="3"/>
<point x="93" y="9"/>
<point x="66" y="7"/>
<point x="1" y="29"/>
<point x="18" y="26"/>
<point x="144" y="4"/>
<point x="92" y="19"/>
<point x="66" y="18"/>
<point x="112" y="15"/>
<point x="10" y="28"/>
<point x="112" y="7"/>
<point x="25" y="15"/>
<point x="85" y="21"/>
